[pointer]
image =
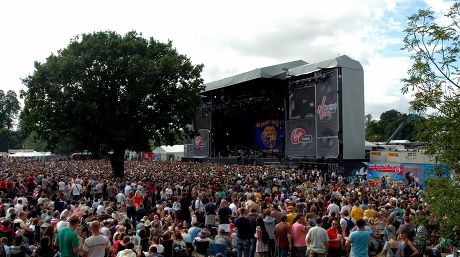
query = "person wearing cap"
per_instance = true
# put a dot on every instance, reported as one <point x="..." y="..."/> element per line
<point x="67" y="239"/>
<point x="97" y="245"/>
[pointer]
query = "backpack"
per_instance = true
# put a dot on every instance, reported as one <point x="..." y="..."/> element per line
<point x="350" y="225"/>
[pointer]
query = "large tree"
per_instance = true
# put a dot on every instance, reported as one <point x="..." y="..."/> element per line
<point x="432" y="41"/>
<point x="9" y="108"/>
<point x="112" y="92"/>
<point x="433" y="80"/>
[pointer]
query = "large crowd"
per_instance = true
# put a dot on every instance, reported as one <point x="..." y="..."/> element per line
<point x="70" y="208"/>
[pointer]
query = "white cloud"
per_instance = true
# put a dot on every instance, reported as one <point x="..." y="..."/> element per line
<point x="227" y="37"/>
<point x="382" y="85"/>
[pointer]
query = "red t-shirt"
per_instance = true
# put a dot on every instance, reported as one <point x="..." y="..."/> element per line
<point x="2" y="184"/>
<point x="332" y="233"/>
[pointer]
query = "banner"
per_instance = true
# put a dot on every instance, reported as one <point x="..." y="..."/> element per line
<point x="315" y="107"/>
<point x="327" y="121"/>
<point x="146" y="156"/>
<point x="201" y="143"/>
<point x="402" y="173"/>
<point x="301" y="138"/>
<point x="267" y="136"/>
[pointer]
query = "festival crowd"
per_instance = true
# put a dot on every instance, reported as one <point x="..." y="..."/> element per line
<point x="70" y="208"/>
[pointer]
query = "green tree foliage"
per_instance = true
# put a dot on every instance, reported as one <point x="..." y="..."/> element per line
<point x="10" y="139"/>
<point x="33" y="141"/>
<point x="443" y="197"/>
<point x="105" y="89"/>
<point x="9" y="108"/>
<point x="433" y="80"/>
<point x="380" y="130"/>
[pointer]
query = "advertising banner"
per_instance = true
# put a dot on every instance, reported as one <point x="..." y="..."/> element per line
<point x="267" y="136"/>
<point x="402" y="173"/>
<point x="300" y="138"/>
<point x="201" y="143"/>
<point x="327" y="121"/>
<point x="327" y="107"/>
<point x="146" y="156"/>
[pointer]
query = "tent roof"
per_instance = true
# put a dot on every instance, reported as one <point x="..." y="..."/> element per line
<point x="31" y="154"/>
<point x="169" y="149"/>
<point x="341" y="61"/>
<point x="275" y="71"/>
<point x="367" y="143"/>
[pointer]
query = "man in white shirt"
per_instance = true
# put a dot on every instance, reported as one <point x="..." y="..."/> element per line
<point x="120" y="198"/>
<point x="317" y="239"/>
<point x="127" y="188"/>
<point x="96" y="245"/>
<point x="333" y="207"/>
<point x="76" y="189"/>
<point x="19" y="207"/>
<point x="61" y="185"/>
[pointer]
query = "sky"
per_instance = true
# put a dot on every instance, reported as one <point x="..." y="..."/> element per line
<point x="228" y="37"/>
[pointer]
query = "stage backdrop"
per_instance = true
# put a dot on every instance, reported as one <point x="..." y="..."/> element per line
<point x="267" y="136"/>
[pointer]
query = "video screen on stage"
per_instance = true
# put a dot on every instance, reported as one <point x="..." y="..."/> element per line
<point x="302" y="103"/>
<point x="324" y="115"/>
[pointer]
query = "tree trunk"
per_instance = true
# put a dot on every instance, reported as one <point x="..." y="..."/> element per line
<point x="117" y="160"/>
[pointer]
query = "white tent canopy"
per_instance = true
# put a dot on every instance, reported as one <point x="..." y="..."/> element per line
<point x="33" y="154"/>
<point x="169" y="152"/>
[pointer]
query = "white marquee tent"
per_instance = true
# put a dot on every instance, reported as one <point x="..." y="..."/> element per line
<point x="168" y="152"/>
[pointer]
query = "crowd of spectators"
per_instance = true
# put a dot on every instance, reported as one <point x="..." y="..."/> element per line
<point x="173" y="209"/>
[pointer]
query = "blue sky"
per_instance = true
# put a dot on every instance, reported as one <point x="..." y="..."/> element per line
<point x="228" y="37"/>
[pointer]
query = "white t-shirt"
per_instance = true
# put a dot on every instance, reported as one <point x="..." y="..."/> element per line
<point x="105" y="231"/>
<point x="333" y="208"/>
<point x="61" y="185"/>
<point x="120" y="197"/>
<point x="318" y="237"/>
<point x="127" y="189"/>
<point x="19" y="207"/>
<point x="76" y="189"/>
<point x="100" y="209"/>
<point x="95" y="245"/>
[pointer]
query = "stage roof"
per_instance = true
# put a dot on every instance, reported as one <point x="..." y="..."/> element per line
<point x="276" y="71"/>
<point x="340" y="61"/>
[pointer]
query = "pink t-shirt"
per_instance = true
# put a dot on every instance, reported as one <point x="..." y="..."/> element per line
<point x="298" y="234"/>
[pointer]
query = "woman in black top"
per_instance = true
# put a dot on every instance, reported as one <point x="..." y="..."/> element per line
<point x="408" y="239"/>
<point x="45" y="249"/>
